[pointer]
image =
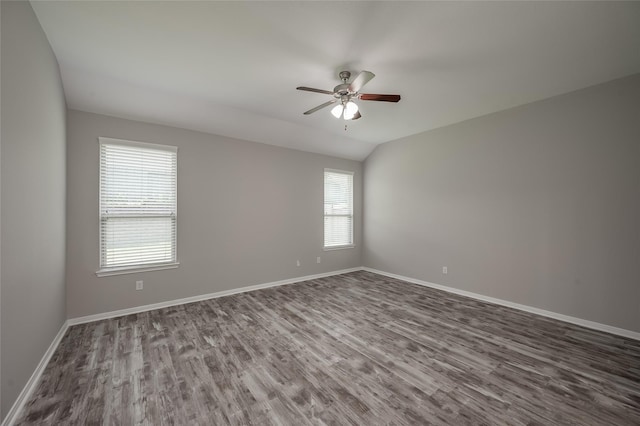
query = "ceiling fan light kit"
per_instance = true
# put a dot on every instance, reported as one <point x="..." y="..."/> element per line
<point x="346" y="93"/>
<point x="347" y="110"/>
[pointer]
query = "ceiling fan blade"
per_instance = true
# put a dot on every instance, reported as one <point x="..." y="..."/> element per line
<point x="356" y="116"/>
<point x="363" y="78"/>
<point x="324" y="105"/>
<point x="383" y="98"/>
<point x="311" y="89"/>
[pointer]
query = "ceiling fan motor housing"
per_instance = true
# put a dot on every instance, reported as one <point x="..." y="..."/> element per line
<point x="341" y="90"/>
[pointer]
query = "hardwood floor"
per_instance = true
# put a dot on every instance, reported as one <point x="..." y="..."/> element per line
<point x="357" y="348"/>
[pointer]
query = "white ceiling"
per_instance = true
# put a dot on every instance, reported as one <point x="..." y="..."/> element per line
<point x="231" y="68"/>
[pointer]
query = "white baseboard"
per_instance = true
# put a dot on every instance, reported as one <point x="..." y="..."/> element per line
<point x="144" y="308"/>
<point x="28" y="389"/>
<point x="561" y="317"/>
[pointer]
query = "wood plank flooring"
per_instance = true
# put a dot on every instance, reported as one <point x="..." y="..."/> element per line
<point x="357" y="348"/>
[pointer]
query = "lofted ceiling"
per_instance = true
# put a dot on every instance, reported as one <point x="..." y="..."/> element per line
<point x="231" y="68"/>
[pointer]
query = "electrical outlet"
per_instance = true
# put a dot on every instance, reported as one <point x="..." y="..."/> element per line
<point x="318" y="259"/>
<point x="139" y="285"/>
<point x="445" y="271"/>
<point x="298" y="262"/>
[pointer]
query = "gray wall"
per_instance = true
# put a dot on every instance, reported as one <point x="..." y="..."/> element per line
<point x="538" y="205"/>
<point x="33" y="198"/>
<point x="246" y="213"/>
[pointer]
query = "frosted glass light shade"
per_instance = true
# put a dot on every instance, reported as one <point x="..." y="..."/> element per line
<point x="350" y="110"/>
<point x="337" y="110"/>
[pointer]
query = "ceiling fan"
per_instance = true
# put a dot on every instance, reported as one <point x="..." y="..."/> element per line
<point x="344" y="94"/>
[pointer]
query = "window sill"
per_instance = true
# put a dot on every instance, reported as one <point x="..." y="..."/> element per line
<point x="135" y="269"/>
<point x="350" y="246"/>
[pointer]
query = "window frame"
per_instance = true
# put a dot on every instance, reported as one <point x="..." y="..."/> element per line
<point x="142" y="267"/>
<point x="352" y="215"/>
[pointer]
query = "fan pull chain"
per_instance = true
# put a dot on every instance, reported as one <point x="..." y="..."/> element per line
<point x="345" y="127"/>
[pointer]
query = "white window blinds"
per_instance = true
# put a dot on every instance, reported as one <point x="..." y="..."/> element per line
<point x="138" y="204"/>
<point x="338" y="208"/>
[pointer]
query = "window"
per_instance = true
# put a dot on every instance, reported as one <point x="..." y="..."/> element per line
<point x="338" y="209"/>
<point x="138" y="206"/>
